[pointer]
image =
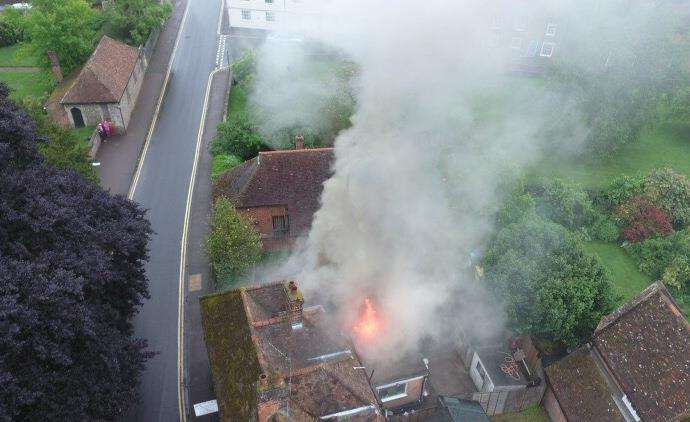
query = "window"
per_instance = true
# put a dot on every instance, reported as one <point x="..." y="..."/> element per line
<point x="547" y="49"/>
<point x="392" y="391"/>
<point x="551" y="30"/>
<point x="281" y="225"/>
<point x="269" y="1"/>
<point x="480" y="370"/>
<point x="532" y="49"/>
<point x="496" y="22"/>
<point x="515" y="43"/>
<point x="270" y="17"/>
<point x="247" y="15"/>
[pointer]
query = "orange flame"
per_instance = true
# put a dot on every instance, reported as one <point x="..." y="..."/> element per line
<point x="369" y="323"/>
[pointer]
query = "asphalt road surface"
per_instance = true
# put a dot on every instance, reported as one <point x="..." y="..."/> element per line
<point x="162" y="189"/>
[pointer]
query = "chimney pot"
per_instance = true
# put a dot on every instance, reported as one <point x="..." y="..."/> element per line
<point x="263" y="380"/>
<point x="299" y="142"/>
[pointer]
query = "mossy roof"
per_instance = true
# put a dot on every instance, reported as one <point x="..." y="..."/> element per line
<point x="232" y="356"/>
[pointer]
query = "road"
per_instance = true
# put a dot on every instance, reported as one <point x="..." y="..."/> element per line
<point x="162" y="187"/>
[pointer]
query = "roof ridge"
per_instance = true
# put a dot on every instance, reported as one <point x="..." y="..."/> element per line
<point x="642" y="297"/>
<point x="288" y="151"/>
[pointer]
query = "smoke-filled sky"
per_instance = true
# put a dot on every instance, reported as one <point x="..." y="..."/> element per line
<point x="440" y="125"/>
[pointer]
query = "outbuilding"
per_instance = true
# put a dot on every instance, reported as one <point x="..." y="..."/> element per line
<point x="107" y="87"/>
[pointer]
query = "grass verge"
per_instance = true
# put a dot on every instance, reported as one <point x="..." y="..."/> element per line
<point x="627" y="278"/>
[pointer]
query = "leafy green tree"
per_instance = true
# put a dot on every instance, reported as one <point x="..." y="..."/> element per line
<point x="656" y="254"/>
<point x="11" y="29"/>
<point x="621" y="189"/>
<point x="550" y="287"/>
<point x="677" y="274"/>
<point x="238" y="137"/>
<point x="245" y="67"/>
<point x="232" y="245"/>
<point x="670" y="191"/>
<point x="564" y="203"/>
<point x="66" y="27"/>
<point x="133" y="20"/>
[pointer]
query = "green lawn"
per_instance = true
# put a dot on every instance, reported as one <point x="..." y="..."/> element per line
<point x="531" y="414"/>
<point x="25" y="84"/>
<point x="627" y="279"/>
<point x="659" y="147"/>
<point x="10" y="58"/>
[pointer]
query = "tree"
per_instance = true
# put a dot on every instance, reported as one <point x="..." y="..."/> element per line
<point x="565" y="204"/>
<point x="71" y="278"/>
<point x="66" y="27"/>
<point x="238" y="137"/>
<point x="232" y="245"/>
<point x="550" y="287"/>
<point x="644" y="220"/>
<point x="670" y="191"/>
<point x="133" y="20"/>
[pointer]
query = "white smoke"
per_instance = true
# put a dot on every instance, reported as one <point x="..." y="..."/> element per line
<point x="440" y="124"/>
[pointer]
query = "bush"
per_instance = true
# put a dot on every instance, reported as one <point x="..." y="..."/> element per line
<point x="133" y="20"/>
<point x="619" y="191"/>
<point x="677" y="274"/>
<point x="605" y="229"/>
<point x="644" y="220"/>
<point x="10" y="32"/>
<point x="223" y="163"/>
<point x="238" y="137"/>
<point x="244" y="68"/>
<point x="656" y="254"/>
<point x="670" y="191"/>
<point x="564" y="203"/>
<point x="232" y="245"/>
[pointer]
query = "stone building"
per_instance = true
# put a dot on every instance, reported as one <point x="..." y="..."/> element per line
<point x="107" y="86"/>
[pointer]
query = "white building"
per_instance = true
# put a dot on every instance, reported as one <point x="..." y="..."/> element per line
<point x="266" y="14"/>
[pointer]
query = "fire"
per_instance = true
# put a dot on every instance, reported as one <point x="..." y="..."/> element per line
<point x="369" y="324"/>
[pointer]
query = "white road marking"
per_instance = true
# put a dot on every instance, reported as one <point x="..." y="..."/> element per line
<point x="140" y="165"/>
<point x="183" y="243"/>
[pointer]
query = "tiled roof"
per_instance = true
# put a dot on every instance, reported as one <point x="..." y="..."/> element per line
<point x="581" y="389"/>
<point x="104" y="77"/>
<point x="646" y="345"/>
<point x="294" y="178"/>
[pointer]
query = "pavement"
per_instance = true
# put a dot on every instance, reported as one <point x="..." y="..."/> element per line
<point x="162" y="187"/>
<point x="119" y="155"/>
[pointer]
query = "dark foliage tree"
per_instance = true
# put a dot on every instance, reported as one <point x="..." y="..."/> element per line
<point x="71" y="278"/>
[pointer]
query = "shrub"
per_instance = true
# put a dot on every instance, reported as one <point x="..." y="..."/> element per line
<point x="654" y="255"/>
<point x="644" y="220"/>
<point x="605" y="229"/>
<point x="238" y="137"/>
<point x="564" y="203"/>
<point x="619" y="191"/>
<point x="232" y="245"/>
<point x="245" y="67"/>
<point x="670" y="191"/>
<point x="677" y="274"/>
<point x="10" y="32"/>
<point x="133" y="20"/>
<point x="223" y="163"/>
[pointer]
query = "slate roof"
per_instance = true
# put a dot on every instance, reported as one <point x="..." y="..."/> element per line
<point x="646" y="345"/>
<point x="104" y="77"/>
<point x="293" y="178"/>
<point x="581" y="389"/>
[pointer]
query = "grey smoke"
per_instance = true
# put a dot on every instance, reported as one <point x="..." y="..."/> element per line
<point x="440" y="124"/>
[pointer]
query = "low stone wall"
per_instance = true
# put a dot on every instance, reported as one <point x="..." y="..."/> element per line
<point x="95" y="142"/>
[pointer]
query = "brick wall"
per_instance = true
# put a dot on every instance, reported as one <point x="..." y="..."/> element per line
<point x="262" y="218"/>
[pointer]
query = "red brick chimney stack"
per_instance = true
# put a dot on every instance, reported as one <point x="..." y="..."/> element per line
<point x="294" y="305"/>
<point x="299" y="142"/>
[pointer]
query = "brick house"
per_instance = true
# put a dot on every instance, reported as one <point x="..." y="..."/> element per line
<point x="107" y="87"/>
<point x="273" y="357"/>
<point x="279" y="191"/>
<point x="637" y="366"/>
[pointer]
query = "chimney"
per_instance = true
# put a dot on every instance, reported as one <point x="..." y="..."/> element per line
<point x="55" y="63"/>
<point x="294" y="305"/>
<point x="299" y="142"/>
<point x="263" y="380"/>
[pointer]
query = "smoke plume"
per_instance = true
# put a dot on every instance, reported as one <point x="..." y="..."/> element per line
<point x="441" y="123"/>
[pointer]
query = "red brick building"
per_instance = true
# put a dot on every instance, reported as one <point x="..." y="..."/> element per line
<point x="637" y="366"/>
<point x="279" y="191"/>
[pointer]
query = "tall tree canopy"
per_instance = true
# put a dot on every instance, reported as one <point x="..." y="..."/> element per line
<point x="67" y="27"/>
<point x="133" y="20"/>
<point x="71" y="278"/>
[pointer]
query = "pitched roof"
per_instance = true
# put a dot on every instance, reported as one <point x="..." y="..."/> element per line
<point x="581" y="389"/>
<point x="104" y="77"/>
<point x="293" y="178"/>
<point x="248" y="334"/>
<point x="646" y="345"/>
